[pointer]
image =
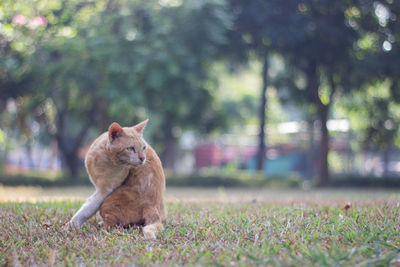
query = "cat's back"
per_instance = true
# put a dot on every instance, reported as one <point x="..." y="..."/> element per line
<point x="153" y="158"/>
<point x="96" y="149"/>
<point x="154" y="165"/>
<point x="97" y="161"/>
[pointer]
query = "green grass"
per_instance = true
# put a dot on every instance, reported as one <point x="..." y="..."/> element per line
<point x="301" y="233"/>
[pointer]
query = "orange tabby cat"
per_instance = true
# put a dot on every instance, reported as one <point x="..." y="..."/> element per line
<point x="139" y="200"/>
<point x="117" y="155"/>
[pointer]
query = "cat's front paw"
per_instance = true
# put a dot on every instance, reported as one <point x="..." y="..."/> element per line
<point x="72" y="224"/>
<point x="149" y="232"/>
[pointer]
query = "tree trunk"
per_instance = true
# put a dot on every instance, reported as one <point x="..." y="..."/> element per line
<point x="310" y="168"/>
<point x="323" y="178"/>
<point x="262" y="116"/>
<point x="69" y="159"/>
<point x="386" y="159"/>
<point x="71" y="162"/>
<point x="168" y="154"/>
<point x="323" y="172"/>
<point x="69" y="149"/>
<point x="3" y="158"/>
<point x="28" y="148"/>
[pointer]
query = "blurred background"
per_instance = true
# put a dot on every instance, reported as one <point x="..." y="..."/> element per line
<point x="239" y="93"/>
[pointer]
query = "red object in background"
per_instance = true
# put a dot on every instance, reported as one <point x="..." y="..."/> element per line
<point x="208" y="155"/>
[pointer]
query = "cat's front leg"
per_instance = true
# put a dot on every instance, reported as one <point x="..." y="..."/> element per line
<point x="88" y="209"/>
<point x="153" y="224"/>
<point x="150" y="231"/>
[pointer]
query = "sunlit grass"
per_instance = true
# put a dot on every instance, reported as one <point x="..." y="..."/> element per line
<point x="50" y="175"/>
<point x="303" y="232"/>
<point x="198" y="194"/>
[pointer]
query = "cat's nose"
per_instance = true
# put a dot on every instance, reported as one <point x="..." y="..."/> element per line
<point x="141" y="159"/>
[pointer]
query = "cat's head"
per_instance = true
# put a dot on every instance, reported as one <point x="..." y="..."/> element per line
<point x="127" y="144"/>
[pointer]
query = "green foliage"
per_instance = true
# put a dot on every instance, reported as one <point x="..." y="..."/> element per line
<point x="96" y="62"/>
<point x="316" y="43"/>
<point x="354" y="181"/>
<point x="373" y="109"/>
<point x="210" y="178"/>
<point x="374" y="116"/>
<point x="75" y="66"/>
<point x="41" y="179"/>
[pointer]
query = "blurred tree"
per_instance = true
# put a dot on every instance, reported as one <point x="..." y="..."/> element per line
<point x="68" y="98"/>
<point x="374" y="109"/>
<point x="177" y="47"/>
<point x="17" y="41"/>
<point x="20" y="31"/>
<point x="253" y="34"/>
<point x="325" y="58"/>
<point x="375" y="118"/>
<point x="314" y="37"/>
<point x="125" y="61"/>
<point x="78" y="65"/>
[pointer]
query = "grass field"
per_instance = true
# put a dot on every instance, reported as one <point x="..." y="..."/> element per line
<point x="210" y="227"/>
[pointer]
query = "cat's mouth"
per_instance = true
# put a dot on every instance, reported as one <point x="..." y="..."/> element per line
<point x="140" y="163"/>
<point x="132" y="162"/>
<point x="135" y="164"/>
<point x="126" y="162"/>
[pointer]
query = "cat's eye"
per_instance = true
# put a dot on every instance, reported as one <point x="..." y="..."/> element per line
<point x="144" y="148"/>
<point x="131" y="148"/>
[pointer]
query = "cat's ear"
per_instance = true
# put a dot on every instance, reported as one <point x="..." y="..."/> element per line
<point x="140" y="126"/>
<point x="114" y="131"/>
